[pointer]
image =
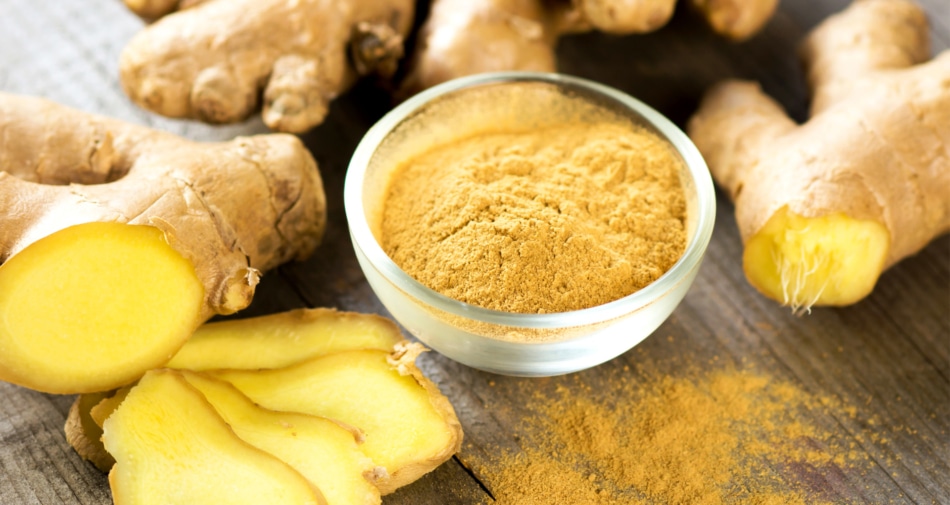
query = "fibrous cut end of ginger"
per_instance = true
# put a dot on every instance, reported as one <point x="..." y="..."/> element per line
<point x="71" y="320"/>
<point x="323" y="451"/>
<point x="410" y="427"/>
<point x="282" y="339"/>
<point x="171" y="446"/>
<point x="828" y="260"/>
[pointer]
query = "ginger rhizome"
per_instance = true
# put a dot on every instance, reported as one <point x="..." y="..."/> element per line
<point x="464" y="37"/>
<point x="171" y="446"/>
<point x="133" y="237"/>
<point x="336" y="395"/>
<point x="824" y="207"/>
<point x="213" y="59"/>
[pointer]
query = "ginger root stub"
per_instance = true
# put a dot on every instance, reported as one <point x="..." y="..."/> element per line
<point x="560" y="218"/>
<point x="825" y="207"/>
<point x="117" y="241"/>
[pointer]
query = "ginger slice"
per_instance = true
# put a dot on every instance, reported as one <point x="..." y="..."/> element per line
<point x="829" y="260"/>
<point x="84" y="434"/>
<point x="410" y="427"/>
<point x="172" y="447"/>
<point x="282" y="339"/>
<point x="323" y="451"/>
<point x="103" y="330"/>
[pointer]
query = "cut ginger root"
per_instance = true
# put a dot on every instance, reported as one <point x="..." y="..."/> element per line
<point x="347" y="406"/>
<point x="213" y="59"/>
<point x="823" y="208"/>
<point x="410" y="427"/>
<point x="282" y="339"/>
<point x="136" y="237"/>
<point x="171" y="446"/>
<point x="465" y="37"/>
<point x="323" y="451"/>
<point x="84" y="434"/>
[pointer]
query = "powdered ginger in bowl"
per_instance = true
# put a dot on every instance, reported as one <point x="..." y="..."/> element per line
<point x="528" y="224"/>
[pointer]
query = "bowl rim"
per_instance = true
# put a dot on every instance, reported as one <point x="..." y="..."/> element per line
<point x="364" y="239"/>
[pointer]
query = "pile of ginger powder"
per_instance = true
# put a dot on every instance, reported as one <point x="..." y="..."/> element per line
<point x="556" y="219"/>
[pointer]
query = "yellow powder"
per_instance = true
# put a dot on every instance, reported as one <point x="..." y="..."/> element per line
<point x="552" y="220"/>
<point x="725" y="437"/>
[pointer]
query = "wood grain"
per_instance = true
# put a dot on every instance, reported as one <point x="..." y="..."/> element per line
<point x="888" y="356"/>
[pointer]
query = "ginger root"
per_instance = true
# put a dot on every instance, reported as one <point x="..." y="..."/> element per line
<point x="211" y="59"/>
<point x="282" y="339"/>
<point x="823" y="208"/>
<point x="410" y="427"/>
<point x="136" y="237"/>
<point x="347" y="367"/>
<point x="171" y="446"/>
<point x="327" y="453"/>
<point x="464" y="37"/>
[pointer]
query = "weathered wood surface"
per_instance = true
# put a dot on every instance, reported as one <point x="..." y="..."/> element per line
<point x="889" y="355"/>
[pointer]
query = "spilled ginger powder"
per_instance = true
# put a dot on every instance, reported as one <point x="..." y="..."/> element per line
<point x="551" y="220"/>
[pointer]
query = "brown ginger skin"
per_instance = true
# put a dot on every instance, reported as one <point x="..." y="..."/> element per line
<point x="232" y="209"/>
<point x="875" y="148"/>
<point x="464" y="37"/>
<point x="212" y="60"/>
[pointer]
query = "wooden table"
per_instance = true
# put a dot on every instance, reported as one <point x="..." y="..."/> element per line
<point x="888" y="356"/>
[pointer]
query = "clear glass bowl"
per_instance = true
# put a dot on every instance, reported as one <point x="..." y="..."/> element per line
<point x="503" y="342"/>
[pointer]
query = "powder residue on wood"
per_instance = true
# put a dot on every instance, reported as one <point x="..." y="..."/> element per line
<point x="551" y="220"/>
<point x="721" y="437"/>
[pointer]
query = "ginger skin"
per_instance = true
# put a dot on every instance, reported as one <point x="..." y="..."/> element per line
<point x="210" y="218"/>
<point x="823" y="208"/>
<point x="464" y="37"/>
<point x="211" y="59"/>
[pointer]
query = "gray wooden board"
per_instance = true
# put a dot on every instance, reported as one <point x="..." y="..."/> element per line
<point x="888" y="355"/>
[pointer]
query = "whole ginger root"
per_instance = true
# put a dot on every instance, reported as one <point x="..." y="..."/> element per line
<point x="824" y="207"/>
<point x="464" y="37"/>
<point x="117" y="241"/>
<point x="211" y="59"/>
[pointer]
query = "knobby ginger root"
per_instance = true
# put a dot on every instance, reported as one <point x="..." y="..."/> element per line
<point x="410" y="427"/>
<point x="211" y="60"/>
<point x="464" y="37"/>
<point x="171" y="446"/>
<point x="282" y="339"/>
<point x="135" y="237"/>
<point x="823" y="208"/>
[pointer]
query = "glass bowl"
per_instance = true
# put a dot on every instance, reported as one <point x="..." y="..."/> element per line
<point x="504" y="342"/>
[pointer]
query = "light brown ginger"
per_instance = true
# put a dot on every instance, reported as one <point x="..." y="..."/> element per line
<point x="135" y="237"/>
<point x="824" y="207"/>
<point x="212" y="59"/>
<point x="464" y="37"/>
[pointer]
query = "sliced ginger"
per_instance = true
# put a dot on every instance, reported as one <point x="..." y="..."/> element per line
<point x="824" y="207"/>
<point x="282" y="339"/>
<point x="829" y="260"/>
<point x="172" y="447"/>
<point x="410" y="428"/>
<point x="84" y="434"/>
<point x="323" y="451"/>
<point x="67" y="307"/>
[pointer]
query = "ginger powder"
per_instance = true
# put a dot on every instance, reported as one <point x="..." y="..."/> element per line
<point x="554" y="219"/>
